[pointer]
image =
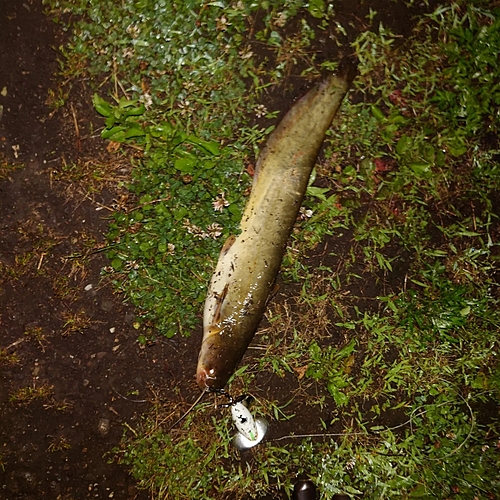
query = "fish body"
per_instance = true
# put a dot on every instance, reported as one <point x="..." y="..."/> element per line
<point x="249" y="263"/>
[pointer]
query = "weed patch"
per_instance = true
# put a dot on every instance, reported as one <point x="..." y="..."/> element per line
<point x="26" y="395"/>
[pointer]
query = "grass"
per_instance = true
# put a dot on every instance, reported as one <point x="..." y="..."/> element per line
<point x="75" y="322"/>
<point x="6" y="168"/>
<point x="387" y="355"/>
<point x="37" y="334"/>
<point x="58" y="444"/>
<point x="25" y="395"/>
<point x="7" y="358"/>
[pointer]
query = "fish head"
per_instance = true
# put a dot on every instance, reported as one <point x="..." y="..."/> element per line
<point x="210" y="378"/>
<point x="207" y="373"/>
<point x="219" y="357"/>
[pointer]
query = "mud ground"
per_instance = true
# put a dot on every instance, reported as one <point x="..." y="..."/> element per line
<point x="71" y="371"/>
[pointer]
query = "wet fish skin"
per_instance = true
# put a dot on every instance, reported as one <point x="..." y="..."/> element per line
<point x="249" y="263"/>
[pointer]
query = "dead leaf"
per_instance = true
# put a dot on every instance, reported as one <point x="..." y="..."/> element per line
<point x="301" y="371"/>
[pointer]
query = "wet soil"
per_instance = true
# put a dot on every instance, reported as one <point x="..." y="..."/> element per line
<point x="71" y="371"/>
<point x="72" y="374"/>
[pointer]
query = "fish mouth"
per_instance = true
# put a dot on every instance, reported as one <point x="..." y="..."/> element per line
<point x="210" y="379"/>
<point x="205" y="378"/>
<point x="201" y="379"/>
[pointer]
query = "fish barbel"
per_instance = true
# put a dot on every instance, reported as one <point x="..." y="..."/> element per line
<point x="248" y="263"/>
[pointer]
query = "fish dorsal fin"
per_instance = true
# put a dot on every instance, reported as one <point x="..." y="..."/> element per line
<point x="227" y="245"/>
<point x="218" y="304"/>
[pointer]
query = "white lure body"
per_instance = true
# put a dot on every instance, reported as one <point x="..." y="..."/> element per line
<point x="250" y="431"/>
<point x="244" y="421"/>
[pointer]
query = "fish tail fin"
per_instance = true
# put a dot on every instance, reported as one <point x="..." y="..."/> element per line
<point x="348" y="68"/>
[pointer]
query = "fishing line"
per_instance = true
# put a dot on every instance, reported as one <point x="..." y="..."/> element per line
<point x="200" y="397"/>
<point x="188" y="411"/>
<point x="413" y="416"/>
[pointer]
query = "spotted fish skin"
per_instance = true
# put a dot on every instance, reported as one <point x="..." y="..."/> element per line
<point x="249" y="263"/>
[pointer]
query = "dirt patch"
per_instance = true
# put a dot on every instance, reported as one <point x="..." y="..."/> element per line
<point x="71" y="371"/>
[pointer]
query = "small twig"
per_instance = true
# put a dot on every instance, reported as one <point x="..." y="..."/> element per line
<point x="148" y="203"/>
<point x="130" y="428"/>
<point x="100" y="205"/>
<point x="89" y="252"/>
<point x="115" y="78"/>
<point x="125" y="397"/>
<point x="40" y="261"/>
<point x="14" y="344"/>
<point x="123" y="89"/>
<point x="117" y="82"/>
<point x="77" y="128"/>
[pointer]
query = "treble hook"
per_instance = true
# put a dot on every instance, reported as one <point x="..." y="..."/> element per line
<point x="232" y="401"/>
